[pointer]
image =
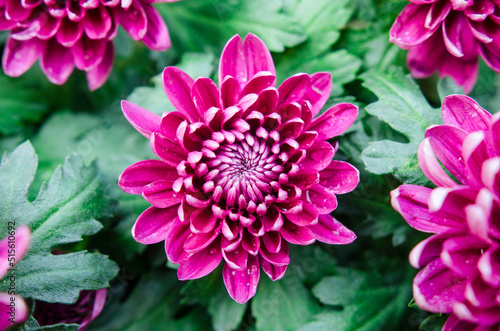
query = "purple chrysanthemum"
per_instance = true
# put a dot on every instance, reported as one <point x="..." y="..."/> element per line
<point x="88" y="306"/>
<point x="244" y="169"/>
<point x="448" y="36"/>
<point x="461" y="262"/>
<point x="13" y="308"/>
<point x="75" y="33"/>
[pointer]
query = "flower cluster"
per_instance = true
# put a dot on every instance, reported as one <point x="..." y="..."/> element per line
<point x="244" y="168"/>
<point x="461" y="262"/>
<point x="75" y="33"/>
<point x="448" y="36"/>
<point x="13" y="308"/>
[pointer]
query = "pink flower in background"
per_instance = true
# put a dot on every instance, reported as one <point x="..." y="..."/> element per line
<point x="13" y="309"/>
<point x="88" y="306"/>
<point x="244" y="168"/>
<point x="461" y="262"/>
<point x="448" y="36"/>
<point x="75" y="33"/>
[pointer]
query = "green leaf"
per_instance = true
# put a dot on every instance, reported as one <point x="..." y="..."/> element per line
<point x="55" y="327"/>
<point x="283" y="304"/>
<point x="321" y="21"/>
<point x="403" y="106"/>
<point x="152" y="305"/>
<point x="226" y="313"/>
<point x="367" y="302"/>
<point x="447" y="86"/>
<point x="199" y="23"/>
<point x="23" y="100"/>
<point x="154" y="99"/>
<point x="64" y="211"/>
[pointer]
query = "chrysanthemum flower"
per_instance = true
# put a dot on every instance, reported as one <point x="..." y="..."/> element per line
<point x="448" y="36"/>
<point x="461" y="262"/>
<point x="88" y="306"/>
<point x="244" y="168"/>
<point x="75" y="33"/>
<point x="13" y="308"/>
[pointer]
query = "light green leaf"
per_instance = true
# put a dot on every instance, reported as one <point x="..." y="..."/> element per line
<point x="226" y="313"/>
<point x="367" y="302"/>
<point x="199" y="23"/>
<point x="282" y="305"/>
<point x="402" y="105"/>
<point x="64" y="211"/>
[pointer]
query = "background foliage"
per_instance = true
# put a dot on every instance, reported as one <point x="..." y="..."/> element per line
<point x="363" y="286"/>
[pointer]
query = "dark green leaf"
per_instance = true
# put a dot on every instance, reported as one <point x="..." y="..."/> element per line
<point x="226" y="313"/>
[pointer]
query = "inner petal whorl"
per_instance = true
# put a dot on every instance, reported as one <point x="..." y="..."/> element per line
<point x="246" y="172"/>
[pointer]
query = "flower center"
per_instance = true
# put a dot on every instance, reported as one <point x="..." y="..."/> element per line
<point x="247" y="172"/>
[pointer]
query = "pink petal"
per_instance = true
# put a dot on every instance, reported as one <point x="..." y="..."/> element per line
<point x="266" y="102"/>
<point x="331" y="231"/>
<point x="170" y="123"/>
<point x="202" y="263"/>
<point x="458" y="37"/>
<point x="307" y="216"/>
<point x="480" y="294"/>
<point x="15" y="11"/>
<point x="205" y="94"/>
<point x="411" y="202"/>
<point x="339" y="177"/>
<point x="97" y="76"/>
<point x="273" y="271"/>
<point x="461" y="4"/>
<point x="202" y="221"/>
<point x="161" y="194"/>
<point x="21" y="241"/>
<point x="298" y="235"/>
<point x="242" y="284"/>
<point x="142" y="120"/>
<point x="88" y="53"/>
<point x="454" y="324"/>
<point x="489" y="266"/>
<point x="48" y="27"/>
<point x="143" y="173"/>
<point x="319" y="91"/>
<point x="425" y="58"/>
<point x="489" y="56"/>
<point x="229" y="92"/>
<point x="177" y="85"/>
<point x="463" y="71"/>
<point x="446" y="142"/>
<point x="19" y="56"/>
<point x="156" y="37"/>
<point x="436" y="287"/>
<point x="250" y="243"/>
<point x="437" y="14"/>
<point x="153" y="225"/>
<point x="480" y="10"/>
<point x="69" y="33"/>
<point x="319" y="156"/>
<point x="490" y="174"/>
<point x="431" y="167"/>
<point x="97" y="22"/>
<point x="294" y="88"/>
<point x="272" y="241"/>
<point x="57" y="63"/>
<point x="242" y="60"/>
<point x="236" y="259"/>
<point x="259" y="82"/>
<point x="409" y="29"/>
<point x="133" y="20"/>
<point x="461" y="254"/>
<point x="21" y="313"/>
<point x="280" y="259"/>
<point x="334" y="121"/>
<point x="487" y="316"/>
<point x="464" y="112"/>
<point x="323" y="198"/>
<point x="167" y="150"/>
<point x="475" y="154"/>
<point x="272" y="220"/>
<point x="196" y="242"/>
<point x="175" y="239"/>
<point x="429" y="249"/>
<point x="450" y="203"/>
<point x="493" y="135"/>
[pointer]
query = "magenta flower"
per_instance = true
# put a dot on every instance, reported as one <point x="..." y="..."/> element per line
<point x="244" y="169"/>
<point x="75" y="33"/>
<point x="13" y="308"/>
<point x="447" y="36"/>
<point x="461" y="262"/>
<point x="88" y="306"/>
